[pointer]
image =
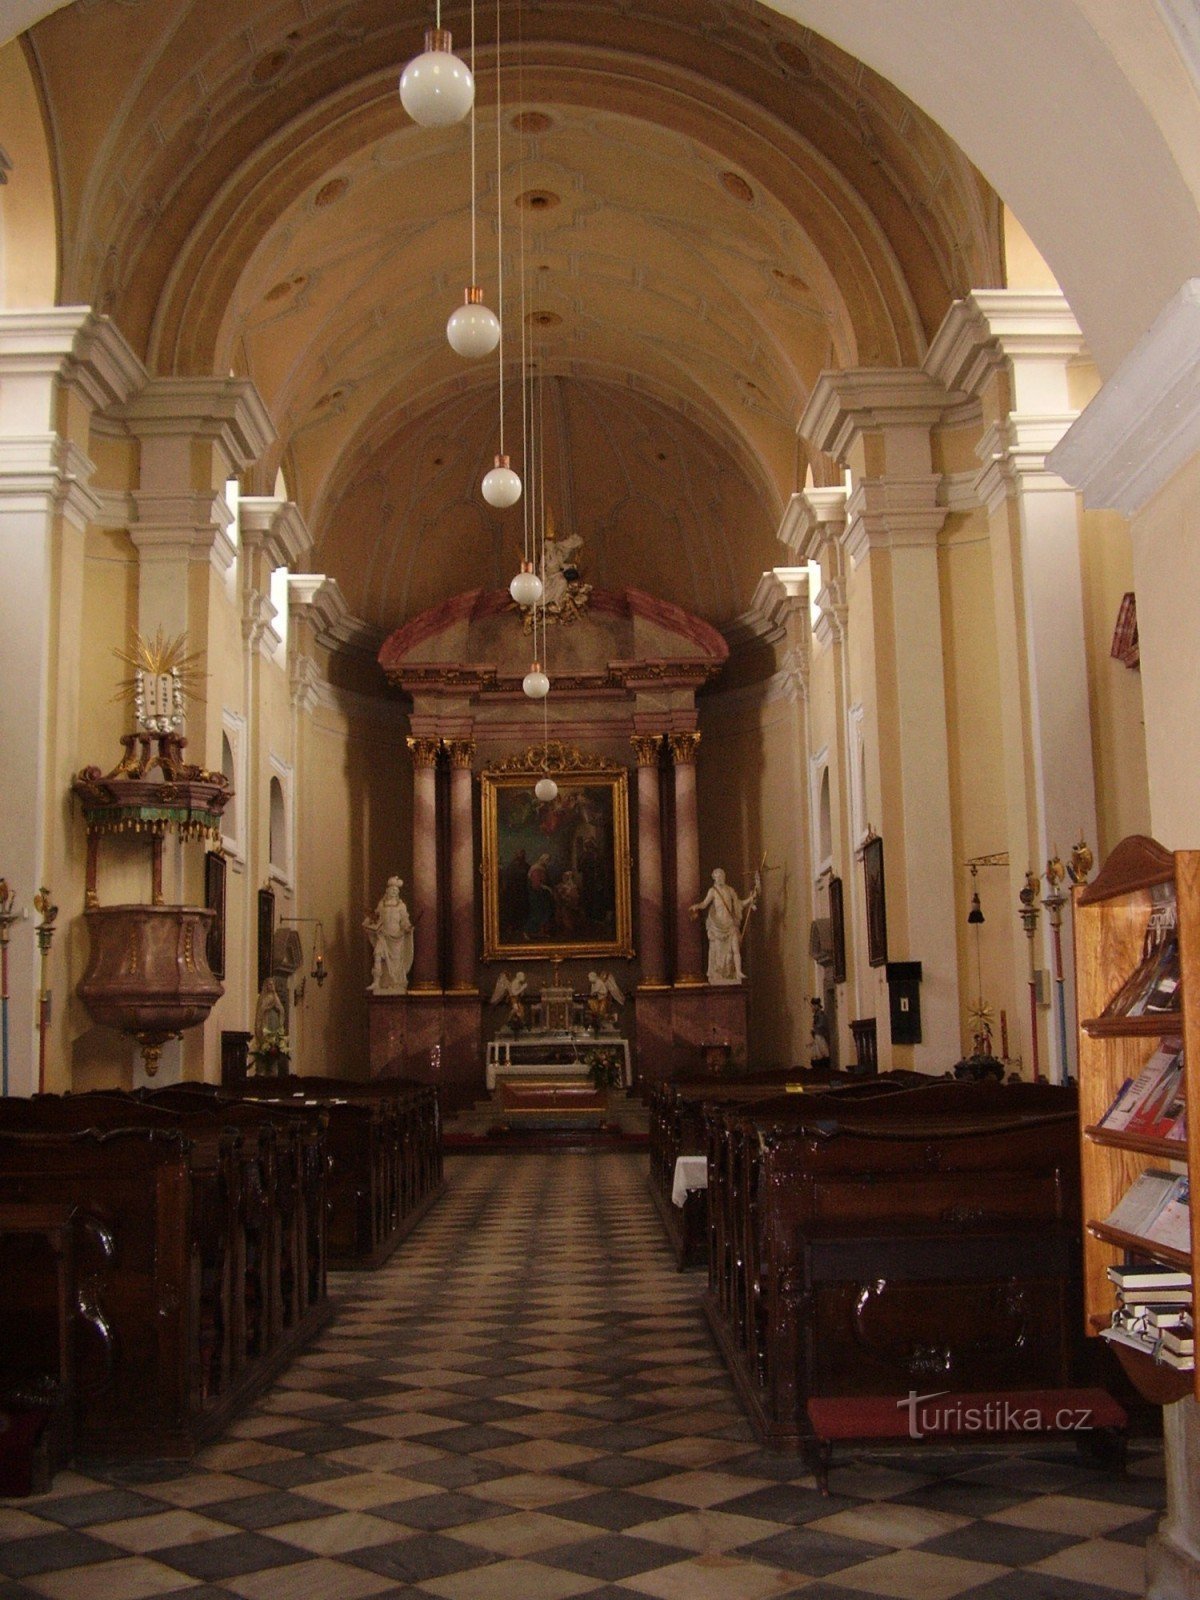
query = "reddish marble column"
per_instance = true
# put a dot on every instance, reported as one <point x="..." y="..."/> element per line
<point x="689" y="967"/>
<point x="462" y="867"/>
<point x="424" y="973"/>
<point x="650" y="875"/>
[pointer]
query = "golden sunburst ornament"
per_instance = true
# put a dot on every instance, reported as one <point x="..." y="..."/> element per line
<point x="166" y="675"/>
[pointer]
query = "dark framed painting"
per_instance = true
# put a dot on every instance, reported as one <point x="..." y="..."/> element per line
<point x="556" y="873"/>
<point x="266" y="933"/>
<point x="837" y="931"/>
<point x="214" y="899"/>
<point x="872" y="859"/>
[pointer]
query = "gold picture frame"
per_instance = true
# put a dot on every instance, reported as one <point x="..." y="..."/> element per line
<point x="556" y="875"/>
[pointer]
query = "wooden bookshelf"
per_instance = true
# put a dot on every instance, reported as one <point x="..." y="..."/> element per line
<point x="1111" y="917"/>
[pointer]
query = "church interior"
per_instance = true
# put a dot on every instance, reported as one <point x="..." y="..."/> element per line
<point x="548" y="616"/>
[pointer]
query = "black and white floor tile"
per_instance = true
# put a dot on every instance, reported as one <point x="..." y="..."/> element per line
<point x="525" y="1405"/>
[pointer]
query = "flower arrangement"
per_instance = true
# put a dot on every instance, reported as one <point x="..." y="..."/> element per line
<point x="271" y="1052"/>
<point x="604" y="1068"/>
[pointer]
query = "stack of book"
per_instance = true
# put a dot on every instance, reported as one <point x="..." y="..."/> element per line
<point x="1154" y="1314"/>
<point x="1153" y="1102"/>
<point x="1156" y="1208"/>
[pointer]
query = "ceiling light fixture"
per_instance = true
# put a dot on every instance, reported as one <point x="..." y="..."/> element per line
<point x="436" y="88"/>
<point x="536" y="684"/>
<point x="473" y="330"/>
<point x="526" y="587"/>
<point x="501" y="486"/>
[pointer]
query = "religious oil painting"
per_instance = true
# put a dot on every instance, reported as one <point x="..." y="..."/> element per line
<point x="556" y="872"/>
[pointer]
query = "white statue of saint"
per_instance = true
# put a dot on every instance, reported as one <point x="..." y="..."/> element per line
<point x="391" y="933"/>
<point x="725" y="922"/>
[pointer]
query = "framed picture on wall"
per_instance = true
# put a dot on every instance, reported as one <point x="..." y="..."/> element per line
<point x="266" y="932"/>
<point x="556" y="873"/>
<point x="214" y="899"/>
<point x="837" y="931"/>
<point x="872" y="859"/>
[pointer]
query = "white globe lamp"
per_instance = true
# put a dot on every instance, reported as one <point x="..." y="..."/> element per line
<point x="501" y="486"/>
<point x="473" y="330"/>
<point x="535" y="683"/>
<point x="546" y="790"/>
<point x="436" y="88"/>
<point x="526" y="587"/>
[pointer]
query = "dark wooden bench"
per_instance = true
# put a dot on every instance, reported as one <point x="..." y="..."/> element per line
<point x="1090" y="1416"/>
<point x="869" y="1247"/>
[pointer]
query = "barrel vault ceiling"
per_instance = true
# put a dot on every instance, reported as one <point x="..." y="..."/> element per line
<point x="701" y="207"/>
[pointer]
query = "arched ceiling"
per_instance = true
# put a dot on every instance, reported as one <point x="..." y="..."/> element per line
<point x="730" y="205"/>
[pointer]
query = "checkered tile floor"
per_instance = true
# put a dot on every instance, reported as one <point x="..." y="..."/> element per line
<point x="525" y="1405"/>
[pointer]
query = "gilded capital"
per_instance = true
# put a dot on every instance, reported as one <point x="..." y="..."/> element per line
<point x="424" y="751"/>
<point x="461" y="753"/>
<point x="647" y="747"/>
<point x="683" y="748"/>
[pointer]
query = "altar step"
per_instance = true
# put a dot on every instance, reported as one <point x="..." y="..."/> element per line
<point x="549" y="1112"/>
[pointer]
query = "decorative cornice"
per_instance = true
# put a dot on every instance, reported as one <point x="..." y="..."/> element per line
<point x="320" y="601"/>
<point x="228" y="412"/>
<point x="1016" y="454"/>
<point x="846" y="404"/>
<point x="553" y="756"/>
<point x="258" y="617"/>
<point x="991" y="327"/>
<point x="46" y="473"/>
<point x="1144" y="424"/>
<point x="833" y="614"/>
<point x="304" y="681"/>
<point x="779" y="595"/>
<point x="274" y="527"/>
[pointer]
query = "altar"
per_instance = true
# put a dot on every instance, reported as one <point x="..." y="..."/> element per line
<point x="553" y="1053"/>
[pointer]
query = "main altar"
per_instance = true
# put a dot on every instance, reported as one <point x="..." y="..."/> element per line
<point x="554" y="895"/>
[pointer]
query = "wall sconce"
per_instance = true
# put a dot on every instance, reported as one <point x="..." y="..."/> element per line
<point x="320" y="969"/>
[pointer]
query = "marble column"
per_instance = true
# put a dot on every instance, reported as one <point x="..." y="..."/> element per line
<point x="650" y="876"/>
<point x="689" y="966"/>
<point x="462" y="867"/>
<point x="424" y="910"/>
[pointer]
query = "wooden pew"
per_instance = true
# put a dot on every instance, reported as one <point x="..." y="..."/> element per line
<point x="871" y="1246"/>
<point x="189" y="1294"/>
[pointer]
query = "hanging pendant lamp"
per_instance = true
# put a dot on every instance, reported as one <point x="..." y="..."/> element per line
<point x="546" y="790"/>
<point x="501" y="486"/>
<point x="436" y="88"/>
<point x="472" y="329"/>
<point x="535" y="682"/>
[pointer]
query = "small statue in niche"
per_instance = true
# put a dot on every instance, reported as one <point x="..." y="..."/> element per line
<point x="513" y="990"/>
<point x="391" y="932"/>
<point x="818" y="1039"/>
<point x="270" y="1049"/>
<point x="604" y="994"/>
<point x="725" y="924"/>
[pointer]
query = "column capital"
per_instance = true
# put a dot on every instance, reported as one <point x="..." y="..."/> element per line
<point x="833" y="613"/>
<point x="647" y="747"/>
<point x="86" y="352"/>
<point x="1023" y="331"/>
<point x="228" y="413"/>
<point x="893" y="514"/>
<point x="846" y="404"/>
<point x="274" y="527"/>
<point x="461" y="753"/>
<point x="305" y="681"/>
<point x="424" y="751"/>
<point x="814" y="518"/>
<point x="47" y="472"/>
<point x="683" y="747"/>
<point x="1014" y="453"/>
<point x="174" y="527"/>
<point x="317" y="600"/>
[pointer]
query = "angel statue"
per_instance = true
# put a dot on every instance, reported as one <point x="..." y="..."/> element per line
<point x="391" y="933"/>
<point x="603" y="991"/>
<point x="725" y="924"/>
<point x="513" y="990"/>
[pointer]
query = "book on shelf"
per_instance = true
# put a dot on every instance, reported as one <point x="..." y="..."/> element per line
<point x="1141" y="1203"/>
<point x="1151" y="1275"/>
<point x="1175" y="1319"/>
<point x="1156" y="1349"/>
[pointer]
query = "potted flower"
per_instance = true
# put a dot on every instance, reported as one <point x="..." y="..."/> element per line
<point x="604" y="1068"/>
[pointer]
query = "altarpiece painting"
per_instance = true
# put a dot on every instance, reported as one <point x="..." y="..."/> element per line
<point x="556" y="874"/>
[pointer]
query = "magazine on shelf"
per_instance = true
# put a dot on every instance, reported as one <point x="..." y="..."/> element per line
<point x="1141" y="1203"/>
<point x="1157" y="1083"/>
<point x="1172" y="1225"/>
<point x="1152" y="987"/>
<point x="1160" y="1109"/>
